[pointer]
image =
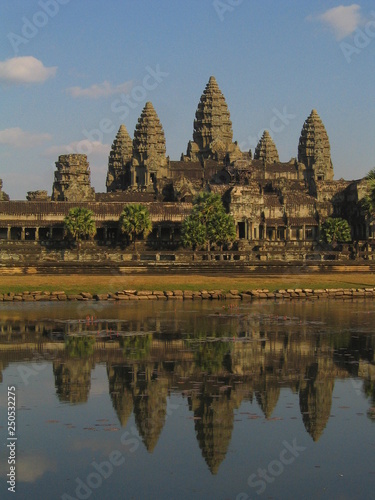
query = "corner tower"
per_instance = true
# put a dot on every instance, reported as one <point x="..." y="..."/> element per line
<point x="72" y="179"/>
<point x="149" y="150"/>
<point x="314" y="150"/>
<point x="120" y="155"/>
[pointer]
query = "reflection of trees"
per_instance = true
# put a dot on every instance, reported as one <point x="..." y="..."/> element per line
<point x="211" y="357"/>
<point x="136" y="347"/>
<point x="73" y="376"/>
<point x="79" y="346"/>
<point x="73" y="379"/>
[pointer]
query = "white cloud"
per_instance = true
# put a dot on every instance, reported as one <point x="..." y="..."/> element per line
<point x="30" y="468"/>
<point x="18" y="138"/>
<point x="342" y="20"/>
<point x="98" y="90"/>
<point x="21" y="70"/>
<point x="84" y="147"/>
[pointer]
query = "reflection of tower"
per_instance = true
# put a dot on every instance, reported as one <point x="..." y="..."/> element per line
<point x="213" y="425"/>
<point x="120" y="378"/>
<point x="73" y="379"/>
<point x="267" y="398"/>
<point x="315" y="399"/>
<point x="150" y="405"/>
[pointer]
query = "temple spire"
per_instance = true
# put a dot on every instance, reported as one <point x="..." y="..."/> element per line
<point x="149" y="150"/>
<point x="266" y="149"/>
<point x="121" y="154"/>
<point x="314" y="150"/>
<point x="213" y="134"/>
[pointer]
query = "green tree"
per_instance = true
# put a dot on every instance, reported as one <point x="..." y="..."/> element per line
<point x="369" y="199"/>
<point x="193" y="233"/>
<point x="79" y="224"/>
<point x="335" y="230"/>
<point x="208" y="223"/>
<point x="135" y="220"/>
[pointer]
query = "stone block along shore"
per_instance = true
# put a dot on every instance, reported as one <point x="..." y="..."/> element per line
<point x="130" y="295"/>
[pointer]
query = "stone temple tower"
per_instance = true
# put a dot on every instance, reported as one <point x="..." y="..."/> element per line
<point x="266" y="149"/>
<point x="149" y="161"/>
<point x="213" y="134"/>
<point x="119" y="158"/>
<point x="72" y="179"/>
<point x="314" y="150"/>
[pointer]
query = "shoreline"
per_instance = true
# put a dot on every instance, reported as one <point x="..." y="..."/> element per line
<point x="248" y="295"/>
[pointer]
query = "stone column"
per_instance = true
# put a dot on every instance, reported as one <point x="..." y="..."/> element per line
<point x="22" y="234"/>
<point x="264" y="231"/>
<point x="37" y="234"/>
<point x="304" y="232"/>
<point x="8" y="233"/>
<point x="132" y="177"/>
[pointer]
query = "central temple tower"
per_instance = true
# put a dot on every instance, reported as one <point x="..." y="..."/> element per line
<point x="213" y="134"/>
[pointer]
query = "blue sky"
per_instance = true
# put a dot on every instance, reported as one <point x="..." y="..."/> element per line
<point x="71" y="71"/>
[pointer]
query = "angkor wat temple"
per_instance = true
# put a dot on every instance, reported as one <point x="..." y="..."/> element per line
<point x="274" y="204"/>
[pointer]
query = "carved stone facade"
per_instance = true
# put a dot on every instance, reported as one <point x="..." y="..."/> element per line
<point x="72" y="179"/>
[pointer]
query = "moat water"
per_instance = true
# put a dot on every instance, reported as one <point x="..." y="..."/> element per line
<point x="193" y="400"/>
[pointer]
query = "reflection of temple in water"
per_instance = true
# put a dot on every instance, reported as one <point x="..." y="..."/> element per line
<point x="259" y="357"/>
<point x="73" y="379"/>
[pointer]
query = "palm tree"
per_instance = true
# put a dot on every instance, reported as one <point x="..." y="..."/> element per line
<point x="208" y="223"/>
<point x="79" y="224"/>
<point x="335" y="230"/>
<point x="135" y="220"/>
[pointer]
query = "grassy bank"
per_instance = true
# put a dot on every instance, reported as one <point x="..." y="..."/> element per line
<point x="72" y="284"/>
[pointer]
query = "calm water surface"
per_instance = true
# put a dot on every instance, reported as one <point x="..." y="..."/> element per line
<point x="193" y="400"/>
